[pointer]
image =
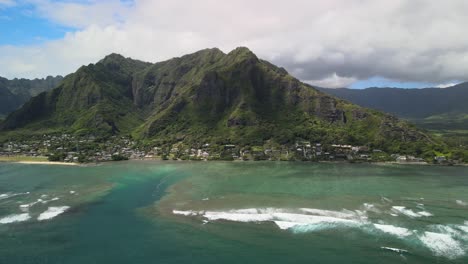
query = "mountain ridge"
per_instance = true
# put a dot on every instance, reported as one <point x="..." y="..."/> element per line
<point x="207" y="96"/>
<point x="429" y="107"/>
<point x="16" y="92"/>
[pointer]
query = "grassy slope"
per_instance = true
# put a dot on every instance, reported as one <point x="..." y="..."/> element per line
<point x="207" y="97"/>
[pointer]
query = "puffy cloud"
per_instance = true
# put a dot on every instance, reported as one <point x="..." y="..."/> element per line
<point x="446" y="85"/>
<point x="82" y="14"/>
<point x="331" y="42"/>
<point x="7" y="3"/>
<point x="333" y="81"/>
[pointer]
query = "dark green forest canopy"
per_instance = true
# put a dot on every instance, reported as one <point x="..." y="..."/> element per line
<point x="208" y="96"/>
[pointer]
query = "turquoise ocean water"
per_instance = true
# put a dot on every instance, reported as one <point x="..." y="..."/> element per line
<point x="238" y="212"/>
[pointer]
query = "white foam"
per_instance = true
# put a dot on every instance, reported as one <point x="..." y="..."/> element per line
<point x="284" y="218"/>
<point x="286" y="225"/>
<point x="206" y="199"/>
<point x="72" y="192"/>
<point x="15" y="218"/>
<point x="386" y="200"/>
<point x="186" y="213"/>
<point x="237" y="216"/>
<point x="52" y="212"/>
<point x="462" y="203"/>
<point x="397" y="250"/>
<point x="25" y="207"/>
<point x="424" y="213"/>
<point x="442" y="245"/>
<point x="410" y="213"/>
<point x="4" y="196"/>
<point x="464" y="228"/>
<point x="394" y="230"/>
<point x="346" y="214"/>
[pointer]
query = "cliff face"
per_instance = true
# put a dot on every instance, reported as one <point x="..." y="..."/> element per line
<point x="8" y="101"/>
<point x="14" y="93"/>
<point x="205" y="96"/>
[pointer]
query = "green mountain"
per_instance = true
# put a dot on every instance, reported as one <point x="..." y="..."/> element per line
<point x="207" y="96"/>
<point x="431" y="108"/>
<point x="8" y="101"/>
<point x="16" y="92"/>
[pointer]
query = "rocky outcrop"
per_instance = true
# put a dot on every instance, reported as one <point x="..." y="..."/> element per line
<point x="207" y="95"/>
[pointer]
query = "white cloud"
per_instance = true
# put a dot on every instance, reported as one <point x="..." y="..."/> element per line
<point x="333" y="81"/>
<point x="446" y="85"/>
<point x="82" y="14"/>
<point x="7" y="3"/>
<point x="330" y="41"/>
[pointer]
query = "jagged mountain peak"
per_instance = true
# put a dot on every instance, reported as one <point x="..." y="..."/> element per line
<point x="113" y="57"/>
<point x="203" y="97"/>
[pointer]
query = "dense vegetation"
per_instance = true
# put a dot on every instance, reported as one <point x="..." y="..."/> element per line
<point x="14" y="93"/>
<point x="208" y="97"/>
<point x="409" y="103"/>
<point x="443" y="112"/>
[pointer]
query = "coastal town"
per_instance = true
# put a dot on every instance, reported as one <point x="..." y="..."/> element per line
<point x="72" y="149"/>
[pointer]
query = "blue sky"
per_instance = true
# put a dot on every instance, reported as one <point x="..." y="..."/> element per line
<point x="383" y="82"/>
<point x="20" y="25"/>
<point x="352" y="37"/>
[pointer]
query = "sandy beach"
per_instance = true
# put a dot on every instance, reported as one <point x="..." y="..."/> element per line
<point x="46" y="163"/>
<point x="34" y="160"/>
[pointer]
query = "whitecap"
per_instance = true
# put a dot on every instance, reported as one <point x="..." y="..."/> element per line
<point x="462" y="203"/>
<point x="397" y="250"/>
<point x="442" y="245"/>
<point x="410" y="213"/>
<point x="394" y="230"/>
<point x="284" y="218"/>
<point x="346" y="214"/>
<point x="286" y="225"/>
<point x="464" y="228"/>
<point x="15" y="218"/>
<point x="72" y="192"/>
<point x="25" y="207"/>
<point x="4" y="196"/>
<point x="424" y="213"/>
<point x="237" y="216"/>
<point x="186" y="213"/>
<point x="386" y="200"/>
<point x="52" y="212"/>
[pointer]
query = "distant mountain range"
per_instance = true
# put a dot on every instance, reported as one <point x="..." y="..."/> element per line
<point x="207" y="96"/>
<point x="14" y="93"/>
<point x="432" y="108"/>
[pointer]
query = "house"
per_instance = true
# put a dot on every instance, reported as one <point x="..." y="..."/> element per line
<point x="440" y="159"/>
<point x="401" y="159"/>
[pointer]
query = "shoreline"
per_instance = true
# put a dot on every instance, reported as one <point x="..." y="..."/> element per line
<point x="45" y="162"/>
<point x="40" y="162"/>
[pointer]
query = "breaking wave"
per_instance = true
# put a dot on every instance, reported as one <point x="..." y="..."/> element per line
<point x="442" y="245"/>
<point x="14" y="218"/>
<point x="52" y="212"/>
<point x="410" y="213"/>
<point x="442" y="240"/>
<point x="394" y="230"/>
